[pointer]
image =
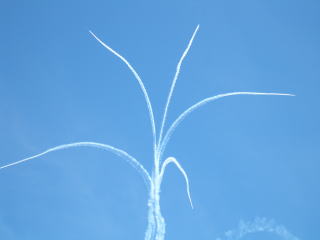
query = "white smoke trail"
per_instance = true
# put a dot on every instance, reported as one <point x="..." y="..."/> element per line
<point x="173" y="160"/>
<point x="256" y="226"/>
<point x="144" y="173"/>
<point x="174" y="83"/>
<point x="151" y="228"/>
<point x="201" y="103"/>
<point x="144" y="90"/>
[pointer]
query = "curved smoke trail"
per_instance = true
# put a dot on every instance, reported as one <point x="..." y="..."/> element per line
<point x="199" y="104"/>
<point x="131" y="160"/>
<point x="174" y="83"/>
<point x="143" y="88"/>
<point x="183" y="172"/>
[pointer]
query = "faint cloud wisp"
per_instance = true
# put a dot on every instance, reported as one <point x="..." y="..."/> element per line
<point x="258" y="225"/>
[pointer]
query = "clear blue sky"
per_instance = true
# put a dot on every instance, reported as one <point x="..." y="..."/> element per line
<point x="246" y="156"/>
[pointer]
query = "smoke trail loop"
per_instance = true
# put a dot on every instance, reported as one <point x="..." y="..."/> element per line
<point x="173" y="160"/>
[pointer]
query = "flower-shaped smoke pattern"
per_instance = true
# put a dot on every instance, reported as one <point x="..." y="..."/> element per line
<point x="156" y="222"/>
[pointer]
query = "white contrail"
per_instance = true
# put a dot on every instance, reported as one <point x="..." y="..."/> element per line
<point x="256" y="226"/>
<point x="173" y="160"/>
<point x="201" y="103"/>
<point x="144" y="90"/>
<point x="174" y="83"/>
<point x="144" y="173"/>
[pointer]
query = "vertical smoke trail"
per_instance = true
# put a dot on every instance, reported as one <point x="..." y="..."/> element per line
<point x="258" y="225"/>
<point x="156" y="224"/>
<point x="199" y="104"/>
<point x="174" y="83"/>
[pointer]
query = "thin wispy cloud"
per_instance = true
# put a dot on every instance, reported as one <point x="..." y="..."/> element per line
<point x="258" y="225"/>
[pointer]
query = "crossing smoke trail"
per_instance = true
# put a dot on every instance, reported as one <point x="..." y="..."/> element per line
<point x="258" y="225"/>
<point x="156" y="223"/>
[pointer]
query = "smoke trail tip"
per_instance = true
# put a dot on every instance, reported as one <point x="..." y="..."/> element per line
<point x="285" y="94"/>
<point x="192" y="207"/>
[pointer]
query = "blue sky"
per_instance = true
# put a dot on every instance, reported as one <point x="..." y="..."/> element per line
<point x="246" y="156"/>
